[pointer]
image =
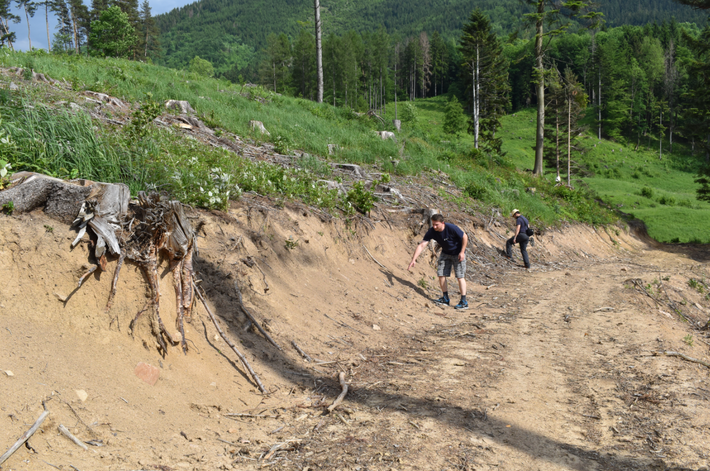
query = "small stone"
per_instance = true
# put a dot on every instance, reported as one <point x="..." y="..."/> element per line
<point x="81" y="394"/>
<point x="147" y="373"/>
<point x="13" y="86"/>
<point x="9" y="373"/>
<point x="177" y="336"/>
<point x="376" y="327"/>
<point x="213" y="384"/>
<point x="624" y="269"/>
<point x="216" y="337"/>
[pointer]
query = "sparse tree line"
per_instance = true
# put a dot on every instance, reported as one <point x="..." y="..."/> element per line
<point x="108" y="28"/>
<point x="361" y="71"/>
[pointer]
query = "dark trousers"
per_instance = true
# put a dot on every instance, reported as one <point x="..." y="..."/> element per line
<point x="523" y="241"/>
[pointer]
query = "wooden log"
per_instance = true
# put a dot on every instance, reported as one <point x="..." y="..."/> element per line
<point x="339" y="399"/>
<point x="25" y="436"/>
<point x="234" y="348"/>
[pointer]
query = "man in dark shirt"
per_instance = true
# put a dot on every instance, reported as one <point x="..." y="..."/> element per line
<point x="520" y="237"/>
<point x="453" y="242"/>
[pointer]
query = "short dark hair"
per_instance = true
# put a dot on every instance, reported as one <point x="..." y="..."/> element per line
<point x="437" y="218"/>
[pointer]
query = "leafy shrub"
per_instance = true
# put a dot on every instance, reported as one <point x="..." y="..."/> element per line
<point x="667" y="200"/>
<point x="636" y="175"/>
<point x="446" y="156"/>
<point x="283" y="144"/>
<point x="410" y="114"/>
<point x="360" y="198"/>
<point x="201" y="67"/>
<point x="143" y="116"/>
<point x="646" y="192"/>
<point x="476" y="191"/>
<point x="8" y="207"/>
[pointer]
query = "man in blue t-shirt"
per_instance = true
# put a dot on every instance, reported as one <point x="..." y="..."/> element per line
<point x="453" y="242"/>
<point x="520" y="237"/>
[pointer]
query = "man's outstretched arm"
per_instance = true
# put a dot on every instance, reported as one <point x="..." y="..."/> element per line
<point x="417" y="253"/>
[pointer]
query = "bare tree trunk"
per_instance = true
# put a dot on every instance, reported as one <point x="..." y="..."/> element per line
<point x="600" y="104"/>
<point x="660" y="137"/>
<point x="396" y="56"/>
<point x="569" y="142"/>
<point x="557" y="139"/>
<point x="46" y="16"/>
<point x="74" y="28"/>
<point x="540" y="130"/>
<point x="319" y="51"/>
<point x="29" y="36"/>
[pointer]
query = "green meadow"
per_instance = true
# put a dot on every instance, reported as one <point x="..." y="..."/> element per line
<point x="660" y="192"/>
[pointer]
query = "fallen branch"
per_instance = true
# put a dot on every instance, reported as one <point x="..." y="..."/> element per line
<point x="255" y="416"/>
<point x="373" y="258"/>
<point x="25" y="436"/>
<point x="242" y="358"/>
<point x="301" y="352"/>
<point x="71" y="437"/>
<point x="683" y="356"/>
<point x="339" y="399"/>
<point x="253" y="319"/>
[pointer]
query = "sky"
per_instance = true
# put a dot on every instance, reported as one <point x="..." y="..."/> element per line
<point x="38" y="24"/>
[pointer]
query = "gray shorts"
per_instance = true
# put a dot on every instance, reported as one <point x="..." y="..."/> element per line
<point x="445" y="263"/>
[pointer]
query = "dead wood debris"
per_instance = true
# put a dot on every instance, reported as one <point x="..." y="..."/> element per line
<point x="339" y="399"/>
<point x="683" y="356"/>
<point x="25" y="436"/>
<point x="234" y="348"/>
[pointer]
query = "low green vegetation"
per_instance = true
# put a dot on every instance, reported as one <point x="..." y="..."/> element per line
<point x="53" y="139"/>
<point x="660" y="192"/>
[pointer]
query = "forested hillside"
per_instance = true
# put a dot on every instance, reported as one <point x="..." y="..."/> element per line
<point x="227" y="33"/>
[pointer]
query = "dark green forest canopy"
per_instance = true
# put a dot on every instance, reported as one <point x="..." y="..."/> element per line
<point x="228" y="32"/>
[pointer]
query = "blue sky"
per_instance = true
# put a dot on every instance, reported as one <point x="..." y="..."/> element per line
<point x="38" y="24"/>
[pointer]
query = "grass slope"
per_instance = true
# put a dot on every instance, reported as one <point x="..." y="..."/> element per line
<point x="50" y="139"/>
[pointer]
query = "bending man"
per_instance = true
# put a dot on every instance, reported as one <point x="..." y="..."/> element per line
<point x="520" y="237"/>
<point x="453" y="243"/>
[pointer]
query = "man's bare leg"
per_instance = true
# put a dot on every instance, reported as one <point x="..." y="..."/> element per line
<point x="442" y="284"/>
<point x="462" y="286"/>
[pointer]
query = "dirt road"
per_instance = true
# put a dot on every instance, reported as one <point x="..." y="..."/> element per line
<point x="548" y="370"/>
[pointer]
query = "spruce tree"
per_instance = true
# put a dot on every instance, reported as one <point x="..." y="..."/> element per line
<point x="485" y="75"/>
<point x="149" y="33"/>
<point x="550" y="12"/>
<point x="454" y="119"/>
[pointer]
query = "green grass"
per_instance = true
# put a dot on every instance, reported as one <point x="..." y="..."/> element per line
<point x="203" y="176"/>
<point x="616" y="172"/>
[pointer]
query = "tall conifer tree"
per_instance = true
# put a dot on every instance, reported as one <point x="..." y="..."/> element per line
<point x="549" y="12"/>
<point x="485" y="73"/>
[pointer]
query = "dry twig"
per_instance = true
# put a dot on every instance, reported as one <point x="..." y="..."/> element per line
<point x="253" y="319"/>
<point x="25" y="436"/>
<point x="339" y="399"/>
<point x="301" y="352"/>
<point x="239" y="354"/>
<point x="71" y="437"/>
<point x="683" y="356"/>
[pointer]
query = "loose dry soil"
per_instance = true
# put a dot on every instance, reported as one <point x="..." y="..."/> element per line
<point x="548" y="370"/>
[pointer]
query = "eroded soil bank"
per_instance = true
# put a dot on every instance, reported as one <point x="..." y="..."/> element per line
<point x="548" y="370"/>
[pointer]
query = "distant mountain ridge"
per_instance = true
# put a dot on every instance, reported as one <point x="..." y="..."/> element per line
<point x="229" y="32"/>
